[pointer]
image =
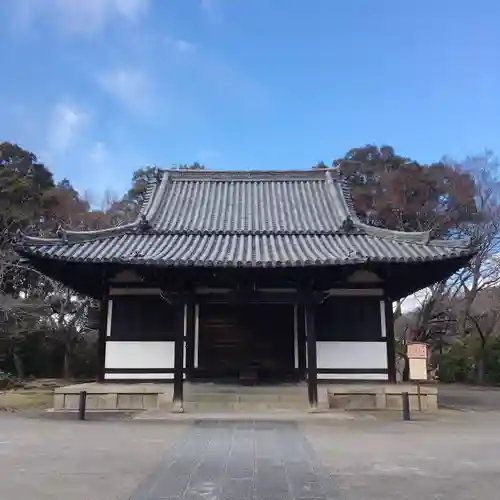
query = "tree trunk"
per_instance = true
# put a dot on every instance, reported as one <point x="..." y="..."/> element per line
<point x="67" y="369"/>
<point x="481" y="361"/>
<point x="480" y="368"/>
<point x="406" y="369"/>
<point x="18" y="364"/>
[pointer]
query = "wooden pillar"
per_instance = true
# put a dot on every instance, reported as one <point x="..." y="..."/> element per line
<point x="301" y="341"/>
<point x="312" y="372"/>
<point x="391" y="341"/>
<point x="102" y="334"/>
<point x="189" y="324"/>
<point x="179" y="365"/>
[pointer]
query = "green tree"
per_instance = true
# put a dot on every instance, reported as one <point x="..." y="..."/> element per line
<point x="393" y="191"/>
<point x="126" y="209"/>
<point x="26" y="190"/>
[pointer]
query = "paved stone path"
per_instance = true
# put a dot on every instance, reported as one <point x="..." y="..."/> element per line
<point x="221" y="460"/>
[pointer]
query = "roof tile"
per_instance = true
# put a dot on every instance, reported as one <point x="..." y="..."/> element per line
<point x="248" y="219"/>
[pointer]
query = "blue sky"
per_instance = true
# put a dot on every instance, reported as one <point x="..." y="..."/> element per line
<point x="98" y="88"/>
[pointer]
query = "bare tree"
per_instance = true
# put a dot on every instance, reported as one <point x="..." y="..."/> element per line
<point x="483" y="272"/>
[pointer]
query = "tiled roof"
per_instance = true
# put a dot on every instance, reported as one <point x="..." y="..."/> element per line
<point x="251" y="203"/>
<point x="249" y="219"/>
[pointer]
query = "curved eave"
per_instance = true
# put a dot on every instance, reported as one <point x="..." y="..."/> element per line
<point x="73" y="237"/>
<point x="245" y="251"/>
<point x="334" y="177"/>
<point x="421" y="237"/>
<point x="154" y="194"/>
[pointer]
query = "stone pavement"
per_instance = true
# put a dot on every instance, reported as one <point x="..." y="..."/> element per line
<point x="239" y="461"/>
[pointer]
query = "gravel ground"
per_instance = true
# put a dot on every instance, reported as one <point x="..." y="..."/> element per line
<point x="469" y="397"/>
<point x="44" y="459"/>
<point x="454" y="457"/>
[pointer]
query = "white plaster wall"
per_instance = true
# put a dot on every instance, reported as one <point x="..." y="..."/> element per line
<point x="138" y="376"/>
<point x="352" y="355"/>
<point x="142" y="355"/>
<point x="352" y="376"/>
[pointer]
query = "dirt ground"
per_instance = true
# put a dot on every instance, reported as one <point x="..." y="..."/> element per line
<point x="454" y="456"/>
<point x="19" y="400"/>
<point x="468" y="397"/>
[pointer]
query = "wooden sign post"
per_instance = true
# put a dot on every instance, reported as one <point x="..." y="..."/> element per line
<point x="417" y="353"/>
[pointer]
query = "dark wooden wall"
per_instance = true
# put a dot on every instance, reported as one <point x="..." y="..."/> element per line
<point x="145" y="317"/>
<point x="234" y="337"/>
<point x="351" y="318"/>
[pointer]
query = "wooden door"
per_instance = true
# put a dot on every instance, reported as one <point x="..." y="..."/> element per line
<point x="233" y="337"/>
<point x="221" y="345"/>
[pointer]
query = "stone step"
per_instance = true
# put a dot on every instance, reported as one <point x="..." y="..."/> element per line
<point x="212" y="393"/>
<point x="234" y="397"/>
<point x="249" y="398"/>
<point x="207" y="406"/>
<point x="211" y="388"/>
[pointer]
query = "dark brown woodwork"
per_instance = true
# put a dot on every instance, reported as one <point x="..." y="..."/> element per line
<point x="190" y="326"/>
<point x="179" y="365"/>
<point x="399" y="279"/>
<point x="101" y="346"/>
<point x="391" y="341"/>
<point x="312" y="370"/>
<point x="349" y="318"/>
<point x="246" y="340"/>
<point x="146" y="318"/>
<point x="301" y="341"/>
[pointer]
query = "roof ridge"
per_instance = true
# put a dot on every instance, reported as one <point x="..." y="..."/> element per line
<point x="244" y="175"/>
<point x="151" y="205"/>
<point x="188" y="171"/>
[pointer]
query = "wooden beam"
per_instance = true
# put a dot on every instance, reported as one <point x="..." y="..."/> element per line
<point x="312" y="370"/>
<point x="301" y="340"/>
<point x="189" y="324"/>
<point x="391" y="341"/>
<point x="179" y="367"/>
<point x="102" y="333"/>
<point x="247" y="296"/>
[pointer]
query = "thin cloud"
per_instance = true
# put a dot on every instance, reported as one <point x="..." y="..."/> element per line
<point x="185" y="47"/>
<point x="99" y="153"/>
<point x="213" y="73"/>
<point x="211" y="9"/>
<point x="180" y="45"/>
<point x="77" y="17"/>
<point x="206" y="4"/>
<point x="228" y="80"/>
<point x="129" y="87"/>
<point x="66" y="124"/>
<point x="132" y="9"/>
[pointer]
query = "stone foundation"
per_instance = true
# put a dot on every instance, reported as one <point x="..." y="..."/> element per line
<point x="116" y="397"/>
<point x="213" y="397"/>
<point x="380" y="396"/>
